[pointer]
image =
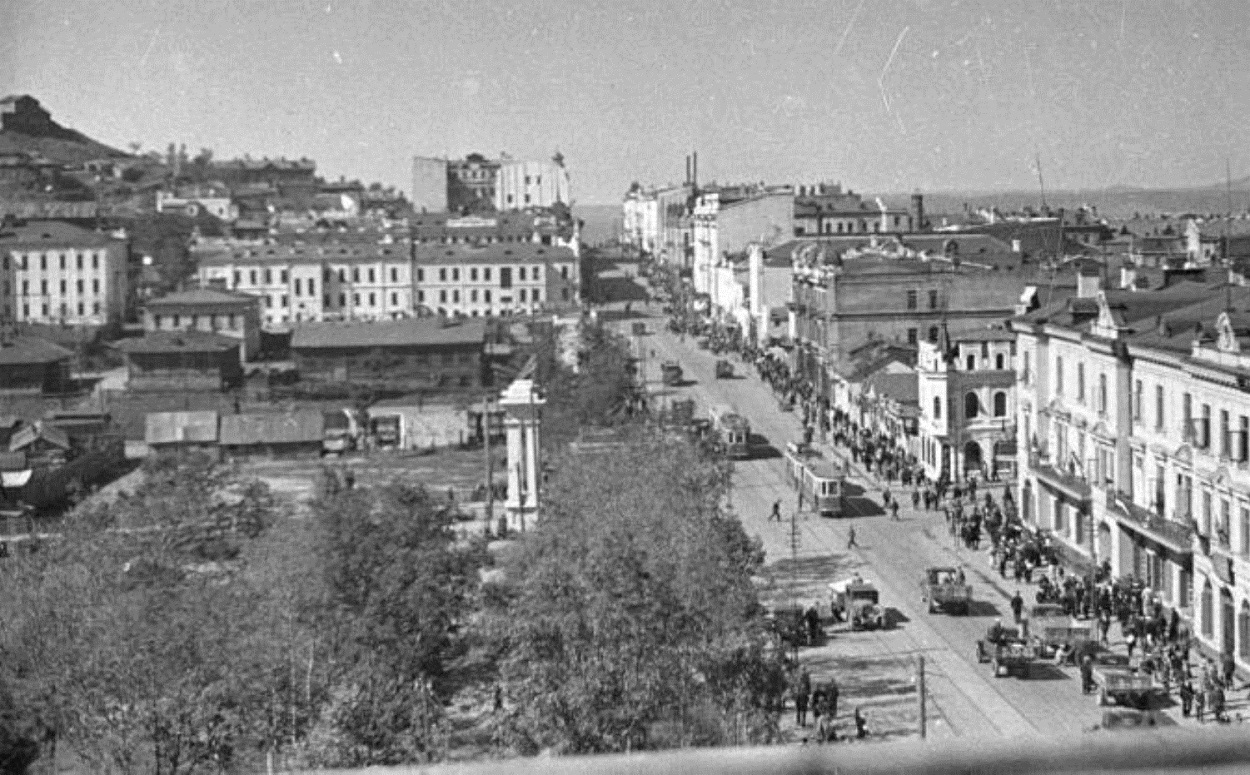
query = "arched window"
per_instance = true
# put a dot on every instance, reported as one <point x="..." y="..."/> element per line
<point x="1207" y="610"/>
<point x="972" y="405"/>
<point x="1000" y="362"/>
<point x="937" y="408"/>
<point x="1000" y="403"/>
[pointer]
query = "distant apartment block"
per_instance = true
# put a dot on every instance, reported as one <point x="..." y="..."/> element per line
<point x="476" y="184"/>
<point x="495" y="279"/>
<point x="55" y="273"/>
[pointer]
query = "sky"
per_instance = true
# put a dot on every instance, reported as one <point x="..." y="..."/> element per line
<point x="881" y="95"/>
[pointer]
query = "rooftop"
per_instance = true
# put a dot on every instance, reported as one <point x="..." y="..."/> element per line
<point x="51" y="234"/>
<point x="176" y="342"/>
<point x="495" y="253"/>
<point x="206" y="296"/>
<point x="22" y="350"/>
<point x="412" y="332"/>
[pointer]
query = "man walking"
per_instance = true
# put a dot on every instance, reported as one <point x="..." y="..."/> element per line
<point x="802" y="691"/>
<point x="776" y="515"/>
<point x="1017" y="606"/>
<point x="850" y="539"/>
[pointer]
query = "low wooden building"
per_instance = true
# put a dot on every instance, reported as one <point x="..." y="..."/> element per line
<point x="409" y="355"/>
<point x="32" y="365"/>
<point x="177" y="431"/>
<point x="209" y="310"/>
<point x="300" y="433"/>
<point x="182" y="360"/>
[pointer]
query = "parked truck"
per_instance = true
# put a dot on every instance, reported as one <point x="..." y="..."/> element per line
<point x="944" y="589"/>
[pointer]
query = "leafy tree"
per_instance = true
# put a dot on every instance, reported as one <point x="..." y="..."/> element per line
<point x="597" y="394"/>
<point x="399" y="585"/>
<point x="629" y="610"/>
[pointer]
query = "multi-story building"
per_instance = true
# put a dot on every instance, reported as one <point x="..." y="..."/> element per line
<point x="429" y="185"/>
<point x="522" y="185"/>
<point x="967" y="404"/>
<point x="483" y="280"/>
<point x="194" y="201"/>
<point x="306" y="281"/>
<point x="728" y="220"/>
<point x="824" y="208"/>
<point x="1131" y="415"/>
<point x="472" y="183"/>
<point x="839" y="304"/>
<point x="55" y="273"/>
<point x="540" y="228"/>
<point x="210" y="310"/>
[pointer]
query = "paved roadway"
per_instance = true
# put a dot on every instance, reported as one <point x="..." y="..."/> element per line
<point x="967" y="699"/>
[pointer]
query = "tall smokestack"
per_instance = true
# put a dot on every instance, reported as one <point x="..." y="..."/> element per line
<point x="687" y="169"/>
<point x="917" y="208"/>
<point x="694" y="169"/>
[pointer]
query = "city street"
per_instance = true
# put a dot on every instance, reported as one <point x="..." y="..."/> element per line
<point x="964" y="698"/>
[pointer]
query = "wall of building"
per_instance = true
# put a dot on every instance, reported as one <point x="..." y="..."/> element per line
<point x="401" y="368"/>
<point x="183" y="371"/>
<point x="429" y="185"/>
<point x="242" y="323"/>
<point x="524" y="184"/>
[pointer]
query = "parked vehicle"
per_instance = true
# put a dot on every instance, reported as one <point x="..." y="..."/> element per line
<point x="1050" y="627"/>
<point x="724" y="369"/>
<point x="858" y="602"/>
<point x="943" y="589"/>
<point x="1119" y="685"/>
<point x="1007" y="650"/>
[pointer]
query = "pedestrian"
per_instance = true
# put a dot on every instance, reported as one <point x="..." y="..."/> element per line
<point x="1228" y="669"/>
<point x="818" y="703"/>
<point x="1087" y="674"/>
<point x="1017" y="606"/>
<point x="861" y="725"/>
<point x="885" y="497"/>
<point x="850" y="539"/>
<point x="915" y="499"/>
<point x="776" y="515"/>
<point x="1187" y="698"/>
<point x="1200" y="703"/>
<point x="831" y="699"/>
<point x="802" y="690"/>
<point x="894" y="510"/>
<point x="813" y="626"/>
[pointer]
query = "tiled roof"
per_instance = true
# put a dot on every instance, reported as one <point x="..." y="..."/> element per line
<point x="180" y="427"/>
<point x="177" y="342"/>
<point x="218" y="255"/>
<point x="30" y="349"/>
<point x="207" y="296"/>
<point x="51" y="234"/>
<point x="903" y="388"/>
<point x="429" y="332"/>
<point x="985" y="334"/>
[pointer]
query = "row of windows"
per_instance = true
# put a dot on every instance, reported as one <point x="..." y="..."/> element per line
<point x="80" y="285"/>
<point x="82" y="310"/>
<point x="1232" y="442"/>
<point x="846" y="227"/>
<point x="913" y="299"/>
<point x="1101" y="397"/>
<point x="972" y="405"/>
<point x="453" y="296"/>
<point x="523" y="274"/>
<point x="194" y="321"/>
<point x="24" y="264"/>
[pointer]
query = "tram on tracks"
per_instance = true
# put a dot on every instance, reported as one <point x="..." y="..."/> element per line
<point x="821" y="481"/>
<point x="733" y="431"/>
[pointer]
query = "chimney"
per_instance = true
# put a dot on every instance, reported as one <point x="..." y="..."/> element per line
<point x="1088" y="280"/>
<point x="917" y="209"/>
<point x="687" y="169"/>
<point x="694" y="169"/>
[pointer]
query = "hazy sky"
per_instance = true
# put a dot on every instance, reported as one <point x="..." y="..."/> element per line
<point x="884" y="95"/>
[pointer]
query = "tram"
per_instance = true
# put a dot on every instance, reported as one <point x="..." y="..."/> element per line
<point x="821" y="482"/>
<point x="732" y="430"/>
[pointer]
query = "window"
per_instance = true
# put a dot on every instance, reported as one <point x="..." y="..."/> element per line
<point x="564" y="273"/>
<point x="43" y="287"/>
<point x="455" y="275"/>
<point x="298" y="286"/>
<point x="95" y="287"/>
<point x="25" y="287"/>
<point x="238" y="278"/>
<point x="252" y="277"/>
<point x="505" y="277"/>
<point x="933" y="299"/>
<point x="442" y="275"/>
<point x="1245" y="531"/>
<point x="473" y="274"/>
<point x="486" y="296"/>
<point x="394" y="274"/>
<point x="283" y="276"/>
<point x="455" y="297"/>
<point x="1207" y="508"/>
<point x="156" y="322"/>
<point x="62" y="262"/>
<point x="63" y="288"/>
<point x="537" y="277"/>
<point x="1000" y="362"/>
<point x="1187" y="417"/>
<point x="972" y="406"/>
<point x="972" y="362"/>
<point x="268" y="277"/>
<point x="355" y="299"/>
<point x="521" y="274"/>
<point x="486" y="273"/>
<point x="372" y="275"/>
<point x="1204" y="427"/>
<point x="95" y="261"/>
<point x="326" y="301"/>
<point x="1058" y="376"/>
<point x="420" y="275"/>
<point x="78" y="264"/>
<point x="43" y="267"/>
<point x="373" y="299"/>
<point x="521" y="295"/>
<point x="911" y="299"/>
<point x="912" y="336"/>
<point x="80" y="285"/>
<point x="442" y="297"/>
<point x="1243" y="438"/>
<point x="1080" y="382"/>
<point x="933" y="334"/>
<point x="1158" y="407"/>
<point x="327" y="276"/>
<point x="394" y="299"/>
<point x="1000" y="404"/>
<point x="285" y="302"/>
<point x="1137" y="391"/>
<point x="535" y="295"/>
<point x="473" y="295"/>
<point x="1102" y="393"/>
<point x="1225" y="434"/>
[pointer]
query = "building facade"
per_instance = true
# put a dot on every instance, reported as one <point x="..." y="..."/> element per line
<point x="181" y="360"/>
<point x="235" y="315"/>
<point x="967" y="405"/>
<point x="521" y="185"/>
<point x="495" y="279"/>
<point x="55" y="273"/>
<point x="727" y="221"/>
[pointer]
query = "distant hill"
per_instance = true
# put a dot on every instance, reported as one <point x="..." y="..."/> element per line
<point x="25" y="127"/>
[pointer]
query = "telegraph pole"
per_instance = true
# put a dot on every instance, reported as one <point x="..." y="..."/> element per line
<point x="920" y="694"/>
<point x="490" y="464"/>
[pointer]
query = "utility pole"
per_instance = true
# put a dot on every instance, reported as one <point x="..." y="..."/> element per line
<point x="490" y="464"/>
<point x="920" y="694"/>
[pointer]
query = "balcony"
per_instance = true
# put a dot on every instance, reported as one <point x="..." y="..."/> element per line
<point x="1069" y="484"/>
<point x="1176" y="535"/>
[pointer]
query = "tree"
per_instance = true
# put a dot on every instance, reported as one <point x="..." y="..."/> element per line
<point x="398" y="585"/>
<point x="597" y="394"/>
<point x="629" y="611"/>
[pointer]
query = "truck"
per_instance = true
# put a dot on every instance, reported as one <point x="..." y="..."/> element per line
<point x="1007" y="649"/>
<point x="732" y="431"/>
<point x="858" y="602"/>
<point x="671" y="373"/>
<point x="943" y="589"/>
<point x="724" y="369"/>
<point x="1120" y="685"/>
<point x="1050" y="627"/>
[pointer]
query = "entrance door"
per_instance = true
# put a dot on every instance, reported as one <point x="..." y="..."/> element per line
<point x="1228" y="635"/>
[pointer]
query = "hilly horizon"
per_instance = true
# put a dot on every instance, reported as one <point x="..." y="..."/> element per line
<point x="57" y="143"/>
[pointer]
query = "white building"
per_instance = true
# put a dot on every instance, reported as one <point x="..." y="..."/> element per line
<point x="521" y="185"/>
<point x="727" y="221"/>
<point x="483" y="280"/>
<point x="55" y="273"/>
